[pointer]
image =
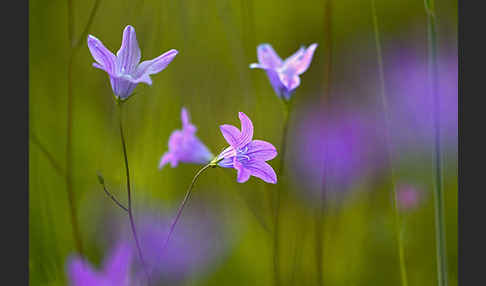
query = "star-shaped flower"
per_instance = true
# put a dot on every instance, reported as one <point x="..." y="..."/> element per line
<point x="124" y="69"/>
<point x="247" y="156"/>
<point x="284" y="75"/>
<point x="184" y="146"/>
<point x="115" y="270"/>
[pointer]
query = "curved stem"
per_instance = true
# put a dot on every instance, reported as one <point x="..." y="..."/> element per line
<point x="276" y="240"/>
<point x="130" y="213"/>
<point x="439" y="192"/>
<point x="110" y="195"/>
<point x="69" y="121"/>
<point x="49" y="155"/>
<point x="388" y="149"/>
<point x="183" y="204"/>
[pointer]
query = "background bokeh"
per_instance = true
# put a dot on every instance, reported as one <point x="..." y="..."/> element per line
<point x="225" y="232"/>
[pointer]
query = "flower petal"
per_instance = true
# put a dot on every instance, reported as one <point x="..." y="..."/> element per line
<point x="128" y="56"/>
<point x="300" y="61"/>
<point x="261" y="150"/>
<point x="166" y="158"/>
<point x="81" y="273"/>
<point x="105" y="58"/>
<point x="186" y="122"/>
<point x="156" y="65"/>
<point x="290" y="81"/>
<point x="231" y="134"/>
<point x="261" y="170"/>
<point x="116" y="267"/>
<point x="243" y="173"/>
<point x="246" y="130"/>
<point x="267" y="57"/>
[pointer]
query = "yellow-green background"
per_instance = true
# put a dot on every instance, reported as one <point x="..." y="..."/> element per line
<point x="216" y="40"/>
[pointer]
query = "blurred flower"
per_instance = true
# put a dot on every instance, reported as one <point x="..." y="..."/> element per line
<point x="194" y="247"/>
<point x="284" y="75"/>
<point x="411" y="103"/>
<point x="247" y="156"/>
<point x="184" y="146"/>
<point x="124" y="69"/>
<point x="115" y="270"/>
<point x="337" y="147"/>
<point x="408" y="197"/>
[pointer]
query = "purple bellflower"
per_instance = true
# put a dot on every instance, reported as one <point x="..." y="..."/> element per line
<point x="115" y="270"/>
<point x="284" y="75"/>
<point x="124" y="69"/>
<point x="184" y="146"/>
<point x="247" y="156"/>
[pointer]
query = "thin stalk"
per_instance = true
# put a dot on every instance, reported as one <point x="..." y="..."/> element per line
<point x="130" y="213"/>
<point x="319" y="217"/>
<point x="74" y="46"/>
<point x="442" y="277"/>
<point x="388" y="149"/>
<point x="49" y="155"/>
<point x="184" y="202"/>
<point x="110" y="195"/>
<point x="276" y="240"/>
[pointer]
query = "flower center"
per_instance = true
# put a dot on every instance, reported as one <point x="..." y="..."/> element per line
<point x="241" y="154"/>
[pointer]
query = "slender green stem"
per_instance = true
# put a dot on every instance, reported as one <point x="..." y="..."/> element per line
<point x="74" y="46"/>
<point x="388" y="149"/>
<point x="319" y="215"/>
<point x="110" y="195"/>
<point x="49" y="155"/>
<point x="130" y="213"/>
<point x="184" y="202"/>
<point x="278" y="195"/>
<point x="69" y="161"/>
<point x="442" y="277"/>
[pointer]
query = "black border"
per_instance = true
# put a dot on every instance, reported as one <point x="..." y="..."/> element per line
<point x="14" y="118"/>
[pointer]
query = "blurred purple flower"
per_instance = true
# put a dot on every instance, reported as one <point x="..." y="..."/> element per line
<point x="184" y="146"/>
<point x="247" y="156"/>
<point x="124" y="69"/>
<point x="115" y="272"/>
<point x="284" y="75"/>
<point x="411" y="104"/>
<point x="194" y="247"/>
<point x="408" y="197"/>
<point x="341" y="140"/>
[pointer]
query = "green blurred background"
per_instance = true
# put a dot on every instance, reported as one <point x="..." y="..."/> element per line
<point x="217" y="41"/>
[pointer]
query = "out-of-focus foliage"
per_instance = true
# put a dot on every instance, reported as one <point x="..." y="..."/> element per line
<point x="210" y="76"/>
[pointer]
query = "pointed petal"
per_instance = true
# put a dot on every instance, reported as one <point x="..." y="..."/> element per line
<point x="128" y="56"/>
<point x="257" y="66"/>
<point x="268" y="57"/>
<point x="116" y="267"/>
<point x="261" y="170"/>
<point x="261" y="150"/>
<point x="186" y="122"/>
<point x="301" y="60"/>
<point x="154" y="66"/>
<point x="243" y="173"/>
<point x="246" y="130"/>
<point x="166" y="158"/>
<point x="105" y="58"/>
<point x="231" y="134"/>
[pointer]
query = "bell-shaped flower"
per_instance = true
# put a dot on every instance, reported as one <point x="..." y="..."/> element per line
<point x="246" y="155"/>
<point x="184" y="146"/>
<point x="115" y="271"/>
<point x="284" y="75"/>
<point x="124" y="69"/>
